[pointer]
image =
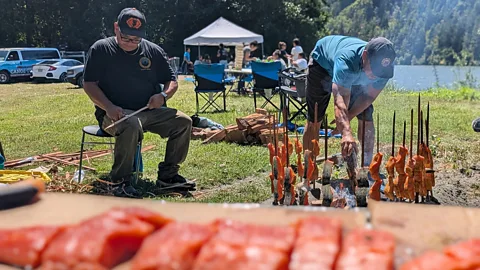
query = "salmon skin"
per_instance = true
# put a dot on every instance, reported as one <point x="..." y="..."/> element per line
<point x="461" y="256"/>
<point x="175" y="247"/>
<point x="317" y="244"/>
<point x="24" y="246"/>
<point x="367" y="249"/>
<point x="244" y="246"/>
<point x="103" y="241"/>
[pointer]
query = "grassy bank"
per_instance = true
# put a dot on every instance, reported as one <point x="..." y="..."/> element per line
<point x="41" y="118"/>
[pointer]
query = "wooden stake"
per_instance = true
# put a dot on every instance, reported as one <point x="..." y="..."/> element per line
<point x="404" y="130"/>
<point x="393" y="135"/>
<point x="418" y="126"/>
<point x="363" y="138"/>
<point x="411" y="134"/>
<point x="326" y="136"/>
<point x="378" y="133"/>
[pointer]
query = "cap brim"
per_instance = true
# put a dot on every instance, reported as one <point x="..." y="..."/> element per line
<point x="133" y="32"/>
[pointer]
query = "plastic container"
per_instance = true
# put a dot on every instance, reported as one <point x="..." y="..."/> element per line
<point x="2" y="162"/>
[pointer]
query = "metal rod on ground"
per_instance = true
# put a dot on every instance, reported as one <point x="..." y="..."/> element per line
<point x="126" y="117"/>
<point x="363" y="138"/>
<point x="427" y="124"/>
<point x="393" y="135"/>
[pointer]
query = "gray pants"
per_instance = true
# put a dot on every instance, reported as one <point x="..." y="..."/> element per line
<point x="166" y="122"/>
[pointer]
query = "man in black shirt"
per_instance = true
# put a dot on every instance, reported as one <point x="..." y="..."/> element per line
<point x="123" y="74"/>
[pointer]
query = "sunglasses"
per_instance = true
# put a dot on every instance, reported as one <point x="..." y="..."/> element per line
<point x="132" y="40"/>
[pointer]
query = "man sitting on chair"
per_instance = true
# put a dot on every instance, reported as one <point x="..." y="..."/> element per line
<point x="123" y="74"/>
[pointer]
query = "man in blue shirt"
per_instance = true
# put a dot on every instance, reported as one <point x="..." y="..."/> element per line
<point x="186" y="61"/>
<point x="354" y="72"/>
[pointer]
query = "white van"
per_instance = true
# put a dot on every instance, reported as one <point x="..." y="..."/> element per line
<point x="18" y="62"/>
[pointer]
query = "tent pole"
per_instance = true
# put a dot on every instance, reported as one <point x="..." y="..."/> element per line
<point x="263" y="53"/>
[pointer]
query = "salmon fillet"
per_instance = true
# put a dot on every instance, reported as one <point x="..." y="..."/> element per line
<point x="245" y="246"/>
<point x="24" y="246"/>
<point x="175" y="247"/>
<point x="367" y="249"/>
<point x="317" y="244"/>
<point x="103" y="241"/>
<point x="461" y="256"/>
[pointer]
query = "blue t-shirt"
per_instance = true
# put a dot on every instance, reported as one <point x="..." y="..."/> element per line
<point x="341" y="56"/>
<point x="186" y="56"/>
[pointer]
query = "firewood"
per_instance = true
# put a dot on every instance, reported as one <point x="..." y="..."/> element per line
<point x="66" y="162"/>
<point x="217" y="137"/>
<point x="261" y="111"/>
<point x="236" y="135"/>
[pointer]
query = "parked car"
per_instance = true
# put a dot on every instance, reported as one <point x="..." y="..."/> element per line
<point x="18" y="62"/>
<point x="53" y="69"/>
<point x="75" y="75"/>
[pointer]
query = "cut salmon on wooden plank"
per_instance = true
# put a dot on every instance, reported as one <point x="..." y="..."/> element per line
<point x="367" y="249"/>
<point x="431" y="260"/>
<point x="461" y="256"/>
<point x="244" y="246"/>
<point x="175" y="247"/>
<point x="317" y="244"/>
<point x="24" y="246"/>
<point x="468" y="253"/>
<point x="103" y="241"/>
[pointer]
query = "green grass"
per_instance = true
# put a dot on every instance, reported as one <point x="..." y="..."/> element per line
<point x="42" y="118"/>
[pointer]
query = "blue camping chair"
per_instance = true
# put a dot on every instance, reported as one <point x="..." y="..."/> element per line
<point x="210" y="85"/>
<point x="266" y="77"/>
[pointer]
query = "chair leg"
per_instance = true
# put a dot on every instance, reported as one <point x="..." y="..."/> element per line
<point x="224" y="101"/>
<point x="81" y="158"/>
<point x="137" y="158"/>
<point x="198" y="105"/>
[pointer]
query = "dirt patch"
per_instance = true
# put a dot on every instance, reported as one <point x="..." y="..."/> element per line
<point x="457" y="187"/>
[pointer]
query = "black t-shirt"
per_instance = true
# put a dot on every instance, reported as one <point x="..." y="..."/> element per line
<point x="283" y="55"/>
<point x="128" y="79"/>
<point x="223" y="54"/>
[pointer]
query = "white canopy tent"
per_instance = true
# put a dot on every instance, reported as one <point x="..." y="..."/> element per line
<point x="222" y="31"/>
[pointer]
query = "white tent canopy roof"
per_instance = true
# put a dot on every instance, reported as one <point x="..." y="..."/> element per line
<point x="222" y="31"/>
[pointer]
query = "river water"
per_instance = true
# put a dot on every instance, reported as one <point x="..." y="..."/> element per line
<point x="424" y="77"/>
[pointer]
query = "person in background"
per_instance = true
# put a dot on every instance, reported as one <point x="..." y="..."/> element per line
<point x="186" y="61"/>
<point x="206" y="59"/>
<point x="247" y="53"/>
<point x="297" y="49"/>
<point x="301" y="63"/>
<point x="354" y="72"/>
<point x="276" y="57"/>
<point x="222" y="55"/>
<point x="282" y="47"/>
<point x="199" y="61"/>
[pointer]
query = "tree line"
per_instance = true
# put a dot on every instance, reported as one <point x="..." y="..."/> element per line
<point x="423" y="31"/>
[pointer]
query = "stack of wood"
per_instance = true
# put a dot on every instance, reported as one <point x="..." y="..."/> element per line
<point x="253" y="129"/>
<point x="64" y="158"/>
<point x="238" y="56"/>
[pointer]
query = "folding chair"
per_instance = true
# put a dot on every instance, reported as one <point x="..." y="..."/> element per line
<point x="266" y="77"/>
<point x="96" y="131"/>
<point x="210" y="85"/>
<point x="293" y="91"/>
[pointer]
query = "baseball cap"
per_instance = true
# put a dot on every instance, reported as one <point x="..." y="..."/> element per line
<point x="132" y="22"/>
<point x="382" y="55"/>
